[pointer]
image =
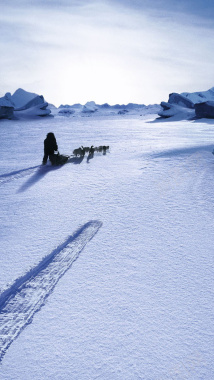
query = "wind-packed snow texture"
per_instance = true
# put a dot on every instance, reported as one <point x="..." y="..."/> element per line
<point x="138" y="302"/>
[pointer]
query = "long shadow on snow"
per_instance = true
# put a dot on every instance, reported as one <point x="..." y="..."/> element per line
<point x="37" y="176"/>
<point x="42" y="170"/>
<point x="184" y="151"/>
<point x="17" y="174"/>
<point x="45" y="169"/>
<point x="28" y="294"/>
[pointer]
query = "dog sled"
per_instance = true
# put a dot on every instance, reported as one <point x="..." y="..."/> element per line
<point x="58" y="159"/>
<point x="61" y="159"/>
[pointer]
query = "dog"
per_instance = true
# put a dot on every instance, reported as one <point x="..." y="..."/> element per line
<point x="82" y="150"/>
<point x="91" y="151"/>
<point x="105" y="149"/>
<point x="79" y="152"/>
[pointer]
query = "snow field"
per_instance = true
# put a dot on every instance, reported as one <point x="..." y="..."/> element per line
<point x="138" y="302"/>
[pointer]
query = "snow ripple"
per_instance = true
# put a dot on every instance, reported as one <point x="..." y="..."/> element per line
<point x="27" y="294"/>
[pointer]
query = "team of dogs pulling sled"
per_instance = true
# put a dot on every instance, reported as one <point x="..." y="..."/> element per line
<point x="59" y="159"/>
<point x="83" y="150"/>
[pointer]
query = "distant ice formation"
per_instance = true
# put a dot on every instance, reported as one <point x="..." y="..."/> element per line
<point x="6" y="107"/>
<point x="66" y="111"/>
<point x="21" y="97"/>
<point x="205" y="109"/>
<point x="122" y="112"/>
<point x="23" y="104"/>
<point x="176" y="111"/>
<point x="89" y="107"/>
<point x="200" y="97"/>
<point x="189" y="105"/>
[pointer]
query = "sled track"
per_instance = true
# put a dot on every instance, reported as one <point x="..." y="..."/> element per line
<point x="8" y="177"/>
<point x="28" y="293"/>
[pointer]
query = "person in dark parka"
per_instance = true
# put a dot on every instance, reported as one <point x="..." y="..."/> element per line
<point x="50" y="145"/>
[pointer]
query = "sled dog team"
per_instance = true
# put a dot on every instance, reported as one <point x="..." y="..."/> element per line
<point x="82" y="150"/>
<point x="50" y="146"/>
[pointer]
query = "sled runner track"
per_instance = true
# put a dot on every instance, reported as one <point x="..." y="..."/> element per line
<point x="8" y="177"/>
<point x="28" y="293"/>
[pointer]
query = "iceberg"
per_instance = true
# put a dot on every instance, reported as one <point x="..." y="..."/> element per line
<point x="176" y="112"/>
<point x="6" y="107"/>
<point x="37" y="110"/>
<point x="21" y="97"/>
<point x="23" y="104"/>
<point x="180" y="100"/>
<point x="201" y="96"/>
<point x="66" y="111"/>
<point x="89" y="107"/>
<point x="189" y="105"/>
<point x="205" y="110"/>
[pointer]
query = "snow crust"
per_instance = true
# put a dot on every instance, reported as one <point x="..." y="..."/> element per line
<point x="138" y="302"/>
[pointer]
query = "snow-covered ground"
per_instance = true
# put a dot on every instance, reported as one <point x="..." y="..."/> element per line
<point x="113" y="255"/>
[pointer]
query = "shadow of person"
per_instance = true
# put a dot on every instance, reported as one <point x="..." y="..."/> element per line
<point x="7" y="177"/>
<point x="40" y="173"/>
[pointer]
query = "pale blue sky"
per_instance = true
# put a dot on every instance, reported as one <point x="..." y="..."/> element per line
<point x="106" y="51"/>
